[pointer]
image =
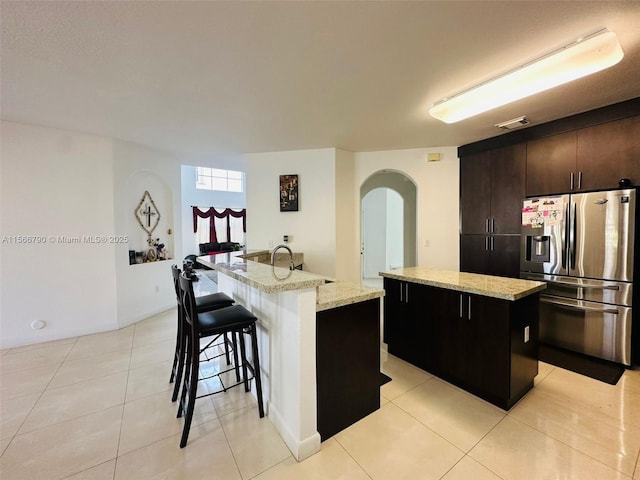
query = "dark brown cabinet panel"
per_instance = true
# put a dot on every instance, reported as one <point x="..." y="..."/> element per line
<point x="475" y="192"/>
<point x="592" y="158"/>
<point x="551" y="165"/>
<point x="508" y="171"/>
<point x="505" y="256"/>
<point x="406" y="327"/>
<point x="490" y="254"/>
<point x="475" y="256"/>
<point x="609" y="152"/>
<point x="347" y="365"/>
<point x="485" y="345"/>
<point x="492" y="184"/>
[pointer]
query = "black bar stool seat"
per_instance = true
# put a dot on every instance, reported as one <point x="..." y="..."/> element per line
<point x="224" y="319"/>
<point x="234" y="320"/>
<point x="203" y="303"/>
<point x="213" y="301"/>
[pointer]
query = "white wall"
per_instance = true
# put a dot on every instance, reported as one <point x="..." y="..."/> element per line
<point x="437" y="201"/>
<point x="147" y="289"/>
<point x="55" y="183"/>
<point x="312" y="228"/>
<point x="347" y="244"/>
<point x="61" y="183"/>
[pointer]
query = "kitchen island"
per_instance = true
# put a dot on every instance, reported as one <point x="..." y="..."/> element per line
<point x="315" y="337"/>
<point x="479" y="332"/>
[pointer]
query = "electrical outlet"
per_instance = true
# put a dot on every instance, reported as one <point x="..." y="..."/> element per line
<point x="526" y="334"/>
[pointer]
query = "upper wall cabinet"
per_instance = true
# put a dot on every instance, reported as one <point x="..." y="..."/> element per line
<point x="491" y="189"/>
<point x="593" y="158"/>
<point x="609" y="152"/>
<point x="551" y="164"/>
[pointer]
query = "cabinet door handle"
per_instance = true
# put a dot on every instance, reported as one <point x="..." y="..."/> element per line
<point x="406" y="293"/>
<point x="572" y="180"/>
<point x="493" y="225"/>
<point x="492" y="240"/>
<point x="486" y="225"/>
<point x="401" y="292"/>
<point x="579" y="180"/>
<point x="460" y="305"/>
<point x="486" y="244"/>
<point x="469" y="311"/>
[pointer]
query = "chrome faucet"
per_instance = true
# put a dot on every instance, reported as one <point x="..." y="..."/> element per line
<point x="273" y="256"/>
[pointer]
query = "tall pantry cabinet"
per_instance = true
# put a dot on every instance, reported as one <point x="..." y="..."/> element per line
<point x="492" y="186"/>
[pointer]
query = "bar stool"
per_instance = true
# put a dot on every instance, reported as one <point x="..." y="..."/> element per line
<point x="235" y="320"/>
<point x="204" y="303"/>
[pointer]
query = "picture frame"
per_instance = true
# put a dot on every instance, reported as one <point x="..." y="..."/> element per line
<point x="289" y="193"/>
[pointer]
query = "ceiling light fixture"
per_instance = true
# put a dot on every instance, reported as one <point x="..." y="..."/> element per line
<point x="586" y="55"/>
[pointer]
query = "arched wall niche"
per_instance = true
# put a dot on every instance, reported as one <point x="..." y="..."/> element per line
<point x="136" y="185"/>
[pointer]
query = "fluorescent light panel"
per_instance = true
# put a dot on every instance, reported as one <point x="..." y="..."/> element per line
<point x="583" y="57"/>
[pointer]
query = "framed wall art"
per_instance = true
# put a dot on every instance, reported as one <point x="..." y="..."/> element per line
<point x="289" y="194"/>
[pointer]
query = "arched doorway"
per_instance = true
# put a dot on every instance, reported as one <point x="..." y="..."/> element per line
<point x="387" y="224"/>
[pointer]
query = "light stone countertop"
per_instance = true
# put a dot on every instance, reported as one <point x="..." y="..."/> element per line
<point x="262" y="276"/>
<point x="487" y="285"/>
<point x="330" y="293"/>
<point x="282" y="258"/>
<point x="269" y="280"/>
<point x="339" y="294"/>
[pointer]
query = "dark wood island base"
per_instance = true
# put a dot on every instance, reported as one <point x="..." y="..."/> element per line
<point x="485" y="345"/>
<point x="347" y="365"/>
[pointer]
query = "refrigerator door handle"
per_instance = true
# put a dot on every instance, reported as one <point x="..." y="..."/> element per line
<point x="580" y="307"/>
<point x="573" y="248"/>
<point x="587" y="287"/>
<point x="563" y="237"/>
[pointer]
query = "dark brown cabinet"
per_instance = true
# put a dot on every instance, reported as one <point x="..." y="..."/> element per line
<point x="551" y="164"/>
<point x="475" y="348"/>
<point x="609" y="152"/>
<point x="475" y="193"/>
<point x="492" y="185"/>
<point x="406" y="328"/>
<point x="593" y="158"/>
<point x="347" y="365"/>
<point x="490" y="254"/>
<point x="488" y="346"/>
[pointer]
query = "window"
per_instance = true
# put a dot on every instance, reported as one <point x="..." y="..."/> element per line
<point x="218" y="179"/>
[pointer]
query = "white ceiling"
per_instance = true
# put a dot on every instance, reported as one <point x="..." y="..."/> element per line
<point x="221" y="78"/>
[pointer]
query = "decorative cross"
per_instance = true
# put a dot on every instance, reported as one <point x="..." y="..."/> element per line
<point x="147" y="213"/>
<point x="147" y="208"/>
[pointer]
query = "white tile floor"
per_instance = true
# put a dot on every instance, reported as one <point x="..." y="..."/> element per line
<point x="98" y="407"/>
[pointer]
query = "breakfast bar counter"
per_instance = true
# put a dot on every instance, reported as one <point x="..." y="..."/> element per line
<point x="315" y="336"/>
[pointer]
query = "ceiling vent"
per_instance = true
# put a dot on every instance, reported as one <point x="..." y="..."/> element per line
<point x="513" y="123"/>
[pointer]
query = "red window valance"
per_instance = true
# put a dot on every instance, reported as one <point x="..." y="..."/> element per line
<point x="212" y="213"/>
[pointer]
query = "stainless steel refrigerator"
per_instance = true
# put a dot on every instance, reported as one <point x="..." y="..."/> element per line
<point x="582" y="245"/>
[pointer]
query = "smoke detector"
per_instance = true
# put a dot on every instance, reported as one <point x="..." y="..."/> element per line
<point x="513" y="123"/>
